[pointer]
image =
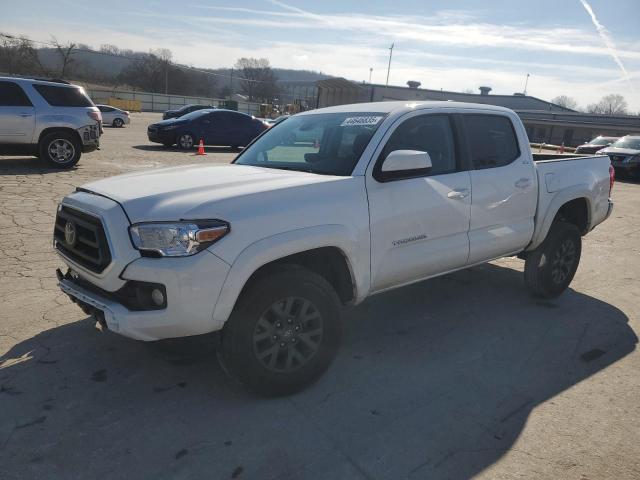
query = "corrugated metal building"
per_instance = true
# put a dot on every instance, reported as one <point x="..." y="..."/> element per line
<point x="544" y="121"/>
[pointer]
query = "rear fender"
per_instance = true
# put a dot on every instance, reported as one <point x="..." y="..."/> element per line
<point x="543" y="224"/>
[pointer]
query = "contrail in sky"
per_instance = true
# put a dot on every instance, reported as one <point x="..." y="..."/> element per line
<point x="605" y="35"/>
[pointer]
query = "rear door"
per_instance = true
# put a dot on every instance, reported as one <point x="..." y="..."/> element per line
<point x="17" y="115"/>
<point x="108" y="114"/>
<point x="504" y="188"/>
<point x="419" y="224"/>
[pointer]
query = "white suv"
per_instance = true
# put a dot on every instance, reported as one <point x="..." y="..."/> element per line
<point x="55" y="121"/>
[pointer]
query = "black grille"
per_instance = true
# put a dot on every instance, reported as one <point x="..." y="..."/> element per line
<point x="90" y="247"/>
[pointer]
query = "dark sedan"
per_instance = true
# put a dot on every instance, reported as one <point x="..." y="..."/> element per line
<point x="184" y="110"/>
<point x="214" y="127"/>
<point x="625" y="155"/>
<point x="596" y="144"/>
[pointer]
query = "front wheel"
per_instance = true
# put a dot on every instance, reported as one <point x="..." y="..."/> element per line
<point x="186" y="141"/>
<point x="60" y="149"/>
<point x="118" y="123"/>
<point x="283" y="333"/>
<point x="549" y="269"/>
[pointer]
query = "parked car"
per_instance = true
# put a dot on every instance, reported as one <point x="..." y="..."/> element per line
<point x="55" y="121"/>
<point x="596" y="144"/>
<point x="625" y="155"/>
<point x="215" y="127"/>
<point x="184" y="110"/>
<point x="268" y="249"/>
<point x="114" y="116"/>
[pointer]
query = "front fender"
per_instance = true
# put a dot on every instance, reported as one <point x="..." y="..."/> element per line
<point x="288" y="243"/>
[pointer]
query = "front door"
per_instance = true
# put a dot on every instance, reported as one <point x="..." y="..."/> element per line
<point x="17" y="115"/>
<point x="419" y="225"/>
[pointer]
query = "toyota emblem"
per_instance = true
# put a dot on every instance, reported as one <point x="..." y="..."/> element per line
<point x="70" y="233"/>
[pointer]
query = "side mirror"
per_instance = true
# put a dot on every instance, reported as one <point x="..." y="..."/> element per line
<point x="404" y="164"/>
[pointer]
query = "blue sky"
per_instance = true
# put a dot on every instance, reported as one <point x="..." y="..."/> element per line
<point x="454" y="45"/>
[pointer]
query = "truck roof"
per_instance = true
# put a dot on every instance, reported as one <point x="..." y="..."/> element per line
<point x="407" y="105"/>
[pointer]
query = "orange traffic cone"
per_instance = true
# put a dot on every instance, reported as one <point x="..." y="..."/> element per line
<point x="562" y="148"/>
<point x="201" y="148"/>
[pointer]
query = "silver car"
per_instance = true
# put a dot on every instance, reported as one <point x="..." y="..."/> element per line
<point x="55" y="121"/>
<point x="114" y="116"/>
<point x="625" y="155"/>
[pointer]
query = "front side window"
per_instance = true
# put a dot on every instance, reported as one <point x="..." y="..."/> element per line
<point x="427" y="133"/>
<point x="12" y="95"/>
<point x="492" y="140"/>
<point x="324" y="143"/>
<point x="63" y="96"/>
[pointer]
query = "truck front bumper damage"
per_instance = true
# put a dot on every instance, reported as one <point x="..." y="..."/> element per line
<point x="192" y="285"/>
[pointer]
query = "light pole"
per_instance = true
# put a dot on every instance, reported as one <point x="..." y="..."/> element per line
<point x="389" y="67"/>
<point x="370" y="72"/>
<point x="526" y="82"/>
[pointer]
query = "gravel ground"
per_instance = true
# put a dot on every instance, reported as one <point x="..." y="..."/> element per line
<point x="458" y="377"/>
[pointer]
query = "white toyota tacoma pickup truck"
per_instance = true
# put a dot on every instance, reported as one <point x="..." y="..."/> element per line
<point x="322" y="210"/>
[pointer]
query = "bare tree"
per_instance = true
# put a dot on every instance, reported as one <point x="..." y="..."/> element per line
<point x="565" y="101"/>
<point x="18" y="56"/>
<point x="613" y="104"/>
<point x="164" y="56"/>
<point x="65" y="51"/>
<point x="259" y="82"/>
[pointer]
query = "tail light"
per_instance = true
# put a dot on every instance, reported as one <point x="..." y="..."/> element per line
<point x="97" y="116"/>
<point x="612" y="177"/>
<point x="126" y="113"/>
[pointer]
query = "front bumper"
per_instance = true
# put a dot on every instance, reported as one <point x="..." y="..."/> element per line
<point x="161" y="136"/>
<point x="192" y="284"/>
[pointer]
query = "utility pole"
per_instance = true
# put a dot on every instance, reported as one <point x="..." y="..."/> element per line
<point x="526" y="82"/>
<point x="389" y="67"/>
<point x="370" y="72"/>
<point x="166" y="78"/>
<point x="231" y="85"/>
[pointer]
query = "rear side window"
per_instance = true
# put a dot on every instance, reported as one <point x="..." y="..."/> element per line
<point x="12" y="95"/>
<point x="492" y="140"/>
<point x="105" y="109"/>
<point x="63" y="96"/>
<point x="427" y="133"/>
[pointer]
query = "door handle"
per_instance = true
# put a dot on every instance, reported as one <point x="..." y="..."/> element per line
<point x="458" y="194"/>
<point x="523" y="183"/>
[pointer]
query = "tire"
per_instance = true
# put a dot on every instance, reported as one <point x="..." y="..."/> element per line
<point x="550" y="268"/>
<point x="60" y="149"/>
<point x="283" y="333"/>
<point x="118" y="123"/>
<point x="185" y="141"/>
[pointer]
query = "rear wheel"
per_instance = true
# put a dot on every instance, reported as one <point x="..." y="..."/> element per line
<point x="118" y="122"/>
<point x="549" y="269"/>
<point x="283" y="333"/>
<point x="60" y="149"/>
<point x="186" y="141"/>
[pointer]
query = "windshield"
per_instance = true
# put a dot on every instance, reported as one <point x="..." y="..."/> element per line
<point x="628" y="142"/>
<point x="326" y="143"/>
<point x="193" y="115"/>
<point x="184" y="109"/>
<point x="601" y="141"/>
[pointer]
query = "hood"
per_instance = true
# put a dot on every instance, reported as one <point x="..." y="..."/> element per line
<point x="170" y="121"/>
<point x="199" y="192"/>
<point x="619" y="151"/>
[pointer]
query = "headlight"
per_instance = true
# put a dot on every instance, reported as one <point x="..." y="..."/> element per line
<point x="177" y="239"/>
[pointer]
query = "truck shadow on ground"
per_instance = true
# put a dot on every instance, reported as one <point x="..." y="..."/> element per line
<point x="435" y="380"/>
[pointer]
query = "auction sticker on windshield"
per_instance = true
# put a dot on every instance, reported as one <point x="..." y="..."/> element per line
<point x="357" y="121"/>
